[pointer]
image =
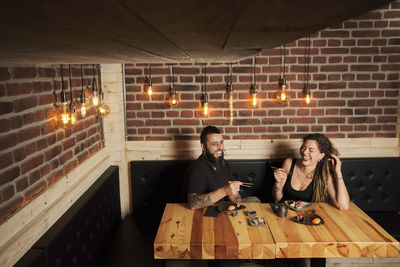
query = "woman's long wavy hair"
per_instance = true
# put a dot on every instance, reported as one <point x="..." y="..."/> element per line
<point x="324" y="168"/>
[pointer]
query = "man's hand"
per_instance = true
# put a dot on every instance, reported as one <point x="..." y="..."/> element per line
<point x="232" y="188"/>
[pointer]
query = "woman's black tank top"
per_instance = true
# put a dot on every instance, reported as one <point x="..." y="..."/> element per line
<point x="292" y="194"/>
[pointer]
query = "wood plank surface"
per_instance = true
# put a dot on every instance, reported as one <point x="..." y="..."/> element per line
<point x="187" y="234"/>
<point x="349" y="233"/>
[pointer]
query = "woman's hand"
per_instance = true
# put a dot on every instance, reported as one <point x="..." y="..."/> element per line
<point x="336" y="164"/>
<point x="280" y="177"/>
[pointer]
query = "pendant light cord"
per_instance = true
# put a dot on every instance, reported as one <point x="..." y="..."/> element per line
<point x="205" y="78"/>
<point x="308" y="61"/>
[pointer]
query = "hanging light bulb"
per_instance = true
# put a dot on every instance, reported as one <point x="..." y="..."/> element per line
<point x="253" y="90"/>
<point x="104" y="109"/>
<point x="204" y="105"/>
<point x="149" y="86"/>
<point x="204" y="97"/>
<point x="307" y="95"/>
<point x="83" y="97"/>
<point x="65" y="115"/>
<point x="62" y="115"/>
<point x="173" y="99"/>
<point x="72" y="108"/>
<point x="283" y="95"/>
<point x="95" y="97"/>
<point x="307" y="91"/>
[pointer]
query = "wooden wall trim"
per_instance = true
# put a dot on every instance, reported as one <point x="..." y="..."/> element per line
<point x="258" y="149"/>
<point x="20" y="231"/>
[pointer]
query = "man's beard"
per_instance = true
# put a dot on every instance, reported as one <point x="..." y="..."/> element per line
<point x="219" y="162"/>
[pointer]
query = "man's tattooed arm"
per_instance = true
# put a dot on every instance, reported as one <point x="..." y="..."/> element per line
<point x="197" y="201"/>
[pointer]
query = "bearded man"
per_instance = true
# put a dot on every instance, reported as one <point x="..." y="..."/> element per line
<point x="207" y="178"/>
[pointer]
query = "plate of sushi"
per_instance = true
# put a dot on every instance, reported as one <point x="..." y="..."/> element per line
<point x="298" y="205"/>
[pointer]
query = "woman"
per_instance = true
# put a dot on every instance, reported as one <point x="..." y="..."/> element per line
<point x="313" y="177"/>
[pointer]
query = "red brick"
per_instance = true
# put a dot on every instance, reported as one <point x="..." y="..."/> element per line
<point x="391" y="14"/>
<point x="332" y="85"/>
<point x="6" y="160"/>
<point x="9" y="175"/>
<point x="145" y="114"/>
<point x="4" y="74"/>
<point x="35" y="190"/>
<point x="65" y="157"/>
<point x="158" y="123"/>
<point x="68" y="144"/>
<point x="387" y="119"/>
<point x="7" y="193"/>
<point x="53" y="152"/>
<point x="6" y="107"/>
<point x="33" y="177"/>
<point x="363" y="85"/>
<point x="24" y="72"/>
<point x="158" y="138"/>
<point x="21" y="184"/>
<point x="185" y="122"/>
<point x="28" y="133"/>
<point x="329" y="51"/>
<point x="267" y="121"/>
<point x="32" y="163"/>
<point x="357" y="120"/>
<point x="14" y="89"/>
<point x="361" y="103"/>
<point x="132" y="123"/>
<point x="330" y="34"/>
<point x="46" y="72"/>
<point x="301" y="120"/>
<point x="25" y="103"/>
<point x="7" y="141"/>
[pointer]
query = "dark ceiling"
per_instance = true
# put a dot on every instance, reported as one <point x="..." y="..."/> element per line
<point x="123" y="31"/>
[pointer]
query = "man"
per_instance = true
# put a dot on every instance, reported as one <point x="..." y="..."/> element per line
<point x="207" y="178"/>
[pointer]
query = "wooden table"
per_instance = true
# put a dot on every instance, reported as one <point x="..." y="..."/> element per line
<point x="187" y="234"/>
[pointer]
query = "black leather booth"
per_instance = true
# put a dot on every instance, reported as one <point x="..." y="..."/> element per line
<point x="83" y="231"/>
<point x="373" y="184"/>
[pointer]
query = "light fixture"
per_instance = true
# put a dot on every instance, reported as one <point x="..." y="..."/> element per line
<point x="283" y="95"/>
<point x="83" y="97"/>
<point x="173" y="98"/>
<point x="104" y="109"/>
<point x="95" y="97"/>
<point x="204" y="97"/>
<point x="229" y="88"/>
<point x="62" y="111"/>
<point x="72" y="108"/>
<point x="307" y="91"/>
<point x="253" y="87"/>
<point x="149" y="86"/>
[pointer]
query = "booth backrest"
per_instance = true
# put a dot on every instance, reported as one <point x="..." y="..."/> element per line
<point x="372" y="184"/>
<point x="78" y="237"/>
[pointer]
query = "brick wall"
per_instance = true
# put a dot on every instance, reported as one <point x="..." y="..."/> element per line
<point x="354" y="78"/>
<point x="34" y="153"/>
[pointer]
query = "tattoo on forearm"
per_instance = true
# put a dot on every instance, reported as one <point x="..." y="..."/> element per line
<point x="199" y="201"/>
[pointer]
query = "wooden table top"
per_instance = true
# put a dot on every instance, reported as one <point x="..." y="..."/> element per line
<point x="350" y="233"/>
<point x="187" y="234"/>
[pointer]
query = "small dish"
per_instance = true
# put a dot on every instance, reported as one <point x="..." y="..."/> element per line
<point x="298" y="205"/>
<point x="256" y="221"/>
<point x="226" y="207"/>
<point x="308" y="219"/>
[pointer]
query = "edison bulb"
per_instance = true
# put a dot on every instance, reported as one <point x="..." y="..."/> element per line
<point x="65" y="116"/>
<point x="205" y="109"/>
<point x="95" y="99"/>
<point x="173" y="100"/>
<point x="104" y="109"/>
<point x="72" y="120"/>
<point x="83" y="110"/>
<point x="254" y="100"/>
<point x="149" y="90"/>
<point x="308" y="98"/>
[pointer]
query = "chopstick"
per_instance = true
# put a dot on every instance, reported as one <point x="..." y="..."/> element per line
<point x="247" y="184"/>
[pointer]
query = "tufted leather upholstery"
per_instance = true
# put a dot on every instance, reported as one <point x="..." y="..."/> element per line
<point x="373" y="183"/>
<point x="155" y="183"/>
<point x="78" y="237"/>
